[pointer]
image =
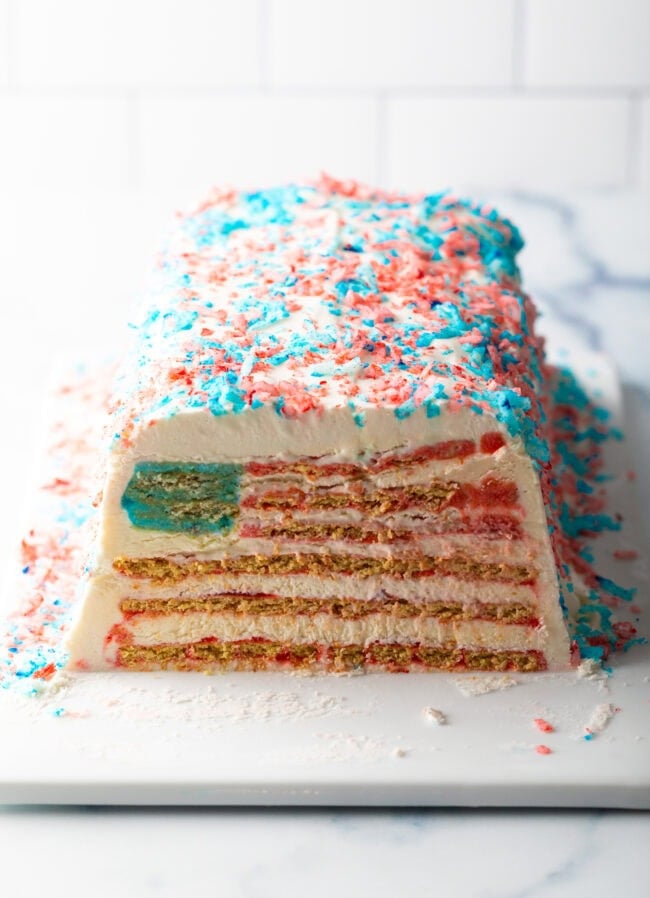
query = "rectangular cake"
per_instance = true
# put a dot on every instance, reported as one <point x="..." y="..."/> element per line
<point x="329" y="448"/>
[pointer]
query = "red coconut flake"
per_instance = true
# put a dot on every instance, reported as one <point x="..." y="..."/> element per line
<point x="491" y="442"/>
<point x="543" y="725"/>
<point x="625" y="554"/>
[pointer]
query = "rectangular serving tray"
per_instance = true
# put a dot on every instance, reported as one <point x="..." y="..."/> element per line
<point x="281" y="739"/>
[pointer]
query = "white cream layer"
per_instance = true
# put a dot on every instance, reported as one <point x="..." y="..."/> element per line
<point x="431" y="589"/>
<point x="322" y="628"/>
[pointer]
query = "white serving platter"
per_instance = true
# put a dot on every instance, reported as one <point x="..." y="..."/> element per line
<point x="279" y="739"/>
<point x="269" y="739"/>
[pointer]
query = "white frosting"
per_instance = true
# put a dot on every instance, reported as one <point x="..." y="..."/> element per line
<point x="324" y="629"/>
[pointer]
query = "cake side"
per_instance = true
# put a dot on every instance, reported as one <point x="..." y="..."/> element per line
<point x="407" y="545"/>
<point x="330" y="447"/>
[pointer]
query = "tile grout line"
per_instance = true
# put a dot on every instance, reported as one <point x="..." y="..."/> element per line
<point x="479" y="92"/>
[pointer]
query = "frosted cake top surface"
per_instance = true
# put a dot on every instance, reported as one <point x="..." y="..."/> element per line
<point x="329" y="295"/>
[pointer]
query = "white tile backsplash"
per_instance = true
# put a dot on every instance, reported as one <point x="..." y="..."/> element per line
<point x="381" y="43"/>
<point x="190" y="143"/>
<point x="179" y="93"/>
<point x="644" y="144"/>
<point x="588" y="43"/>
<point x="4" y="42"/>
<point x="58" y="142"/>
<point x="506" y="142"/>
<point x="136" y="42"/>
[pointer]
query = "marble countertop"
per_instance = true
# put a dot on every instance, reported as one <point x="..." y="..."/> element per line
<point x="320" y="853"/>
<point x="70" y="266"/>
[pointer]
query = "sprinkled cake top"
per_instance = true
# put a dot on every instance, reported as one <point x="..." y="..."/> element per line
<point x="334" y="295"/>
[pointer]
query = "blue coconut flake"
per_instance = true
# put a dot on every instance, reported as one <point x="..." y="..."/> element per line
<point x="404" y="410"/>
<point x="627" y="595"/>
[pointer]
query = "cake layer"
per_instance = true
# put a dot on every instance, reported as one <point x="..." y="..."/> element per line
<point x="113" y="588"/>
<point x="326" y="470"/>
<point x="429" y="497"/>
<point x="326" y="629"/>
<point x="204" y="499"/>
<point x="168" y="570"/>
<point x="483" y="547"/>
<point x="488" y="526"/>
<point x="347" y="609"/>
<point x="488" y="494"/>
<point x="261" y="655"/>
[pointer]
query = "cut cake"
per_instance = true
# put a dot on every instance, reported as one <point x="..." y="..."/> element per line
<point x="329" y="448"/>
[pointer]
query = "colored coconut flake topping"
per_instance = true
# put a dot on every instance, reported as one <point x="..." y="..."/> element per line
<point x="336" y="445"/>
<point x="333" y="296"/>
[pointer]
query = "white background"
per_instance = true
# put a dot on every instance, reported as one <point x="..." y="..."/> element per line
<point x="176" y="94"/>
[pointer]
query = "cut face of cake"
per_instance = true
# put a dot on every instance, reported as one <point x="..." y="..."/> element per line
<point x="329" y="448"/>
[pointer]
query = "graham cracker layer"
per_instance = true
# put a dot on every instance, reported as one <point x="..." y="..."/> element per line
<point x="262" y="655"/>
<point x="306" y="531"/>
<point x="488" y="527"/>
<point x="164" y="570"/>
<point x="375" y="502"/>
<point x="347" y="609"/>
